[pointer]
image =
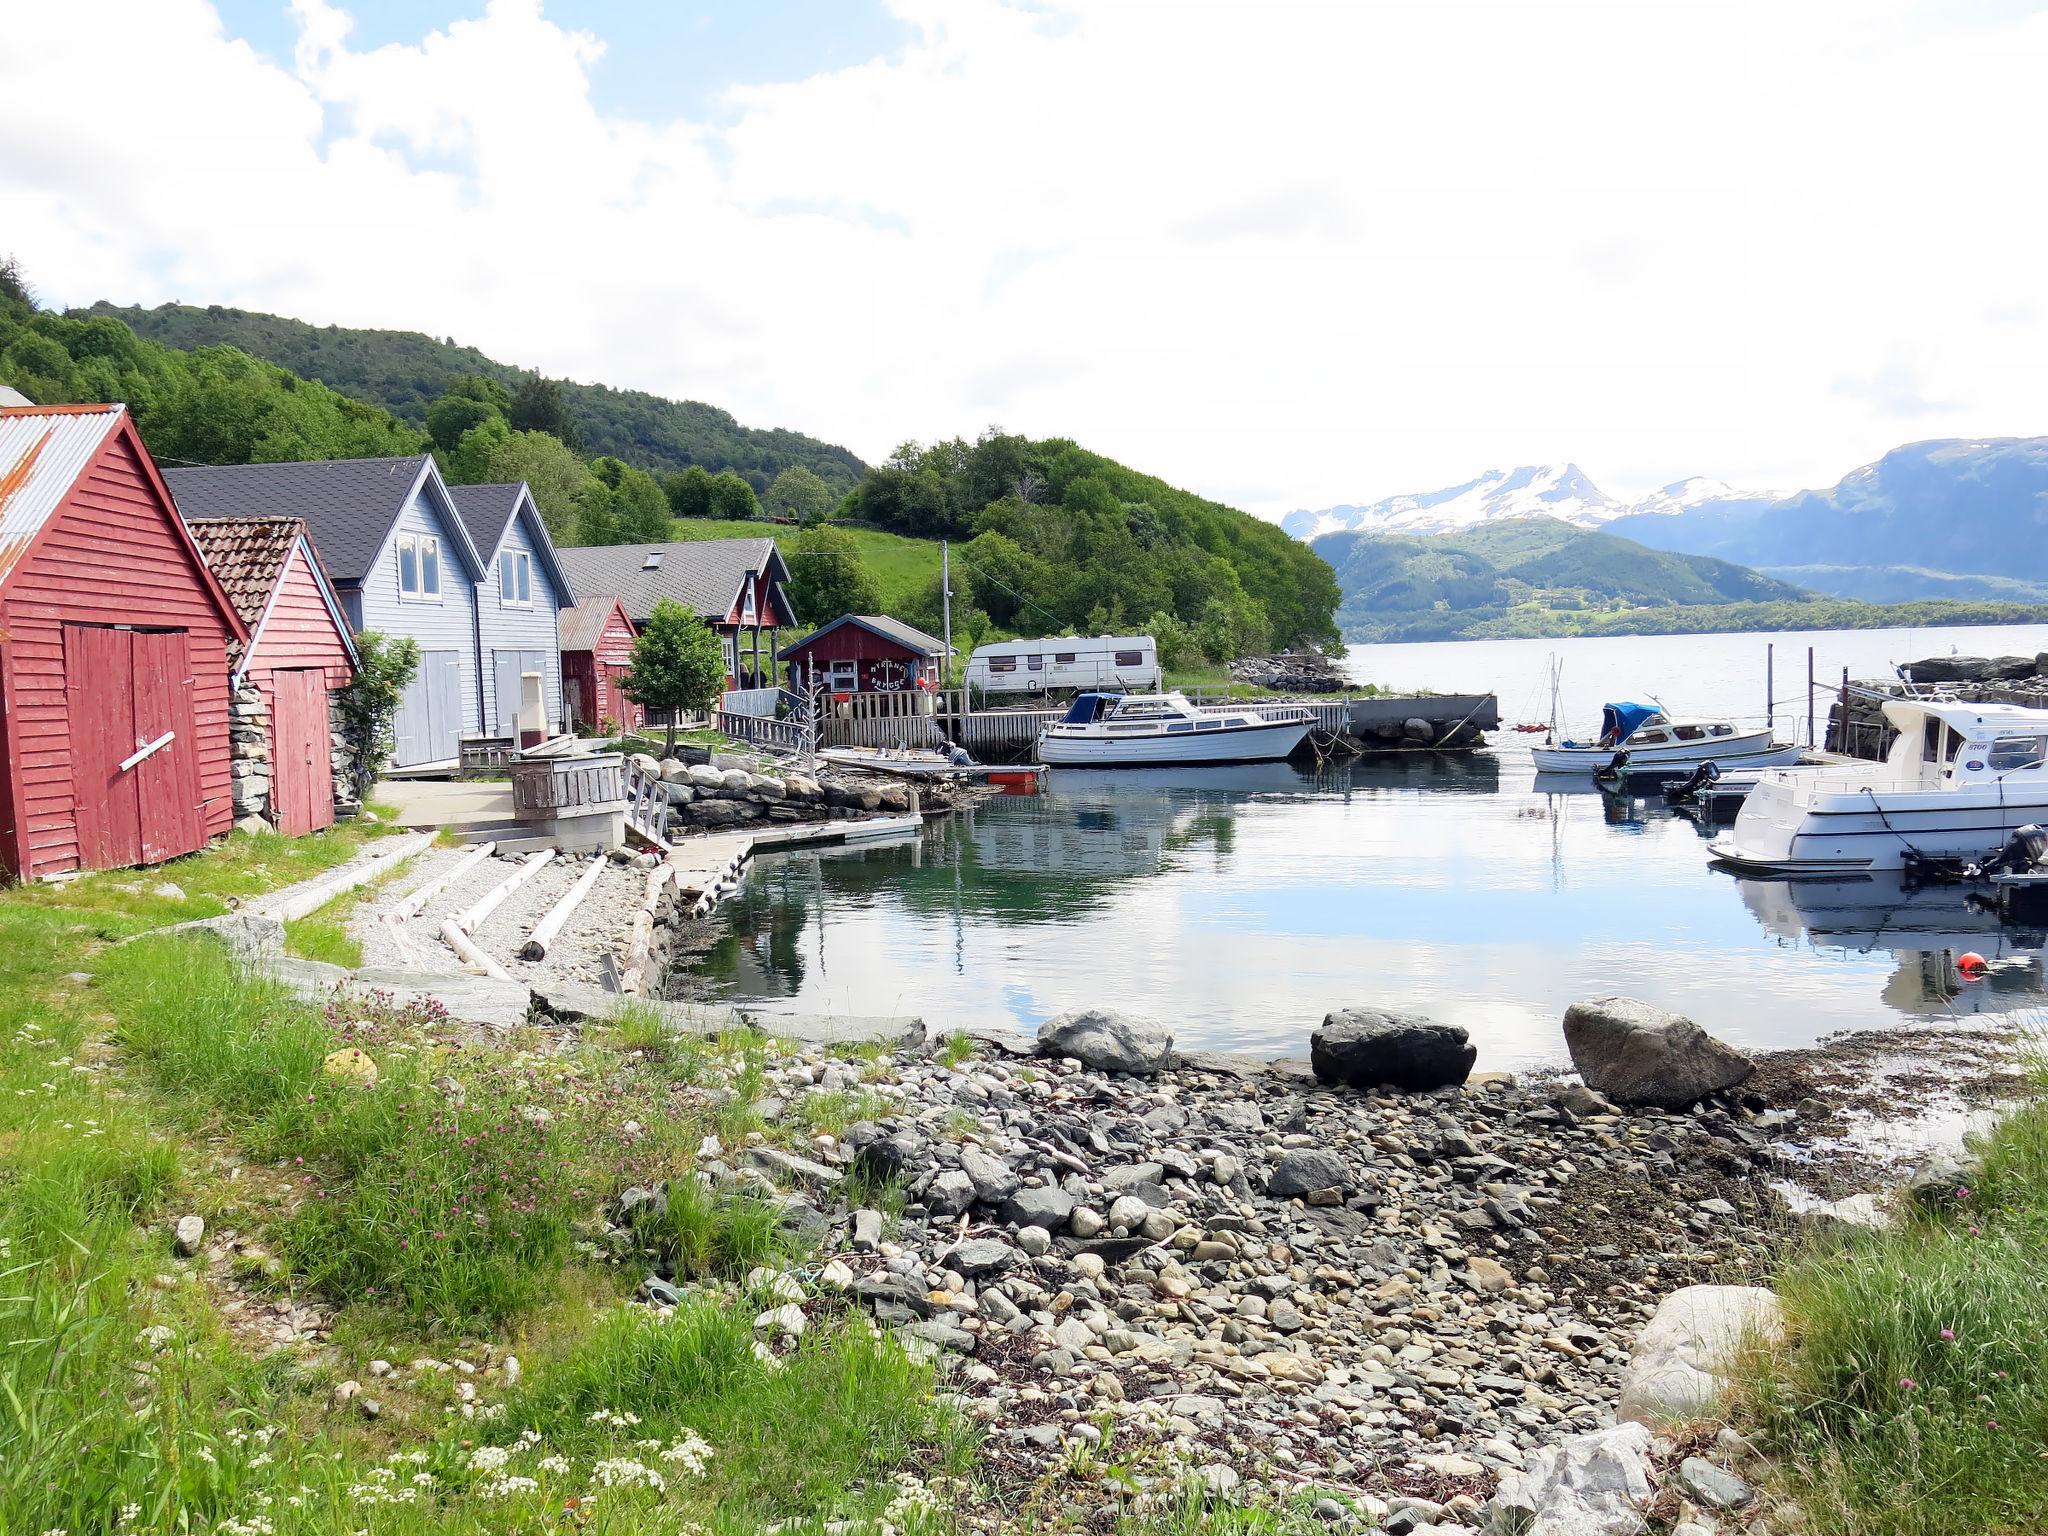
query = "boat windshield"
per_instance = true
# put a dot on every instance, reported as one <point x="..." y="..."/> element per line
<point x="1618" y="722"/>
<point x="1088" y="708"/>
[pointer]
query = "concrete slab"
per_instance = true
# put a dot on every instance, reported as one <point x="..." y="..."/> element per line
<point x="468" y="999"/>
<point x="894" y="1031"/>
<point x="454" y="803"/>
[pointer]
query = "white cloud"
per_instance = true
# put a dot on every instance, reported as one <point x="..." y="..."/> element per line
<point x="1283" y="253"/>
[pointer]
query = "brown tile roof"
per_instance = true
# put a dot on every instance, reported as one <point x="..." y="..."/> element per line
<point x="247" y="554"/>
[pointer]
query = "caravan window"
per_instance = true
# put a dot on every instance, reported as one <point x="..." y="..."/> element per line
<point x="1002" y="663"/>
<point x="1063" y="658"/>
<point x="2013" y="752"/>
<point x="1034" y="663"/>
<point x="1130" y="658"/>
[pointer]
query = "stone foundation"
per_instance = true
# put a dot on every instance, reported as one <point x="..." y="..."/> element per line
<point x="249" y="764"/>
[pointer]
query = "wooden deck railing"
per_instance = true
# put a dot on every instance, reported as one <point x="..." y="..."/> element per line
<point x="791" y="736"/>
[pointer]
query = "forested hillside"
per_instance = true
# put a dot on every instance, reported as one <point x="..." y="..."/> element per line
<point x="211" y="406"/>
<point x="1052" y="538"/>
<point x="405" y="372"/>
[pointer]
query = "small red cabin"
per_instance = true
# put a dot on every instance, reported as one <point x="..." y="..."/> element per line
<point x="597" y="654"/>
<point x="865" y="653"/>
<point x="299" y="653"/>
<point x="113" y="652"/>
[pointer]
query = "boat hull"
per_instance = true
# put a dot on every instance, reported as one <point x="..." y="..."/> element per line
<point x="1242" y="744"/>
<point x="1677" y="754"/>
<point x="1789" y="827"/>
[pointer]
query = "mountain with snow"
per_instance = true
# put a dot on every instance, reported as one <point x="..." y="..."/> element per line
<point x="1560" y="491"/>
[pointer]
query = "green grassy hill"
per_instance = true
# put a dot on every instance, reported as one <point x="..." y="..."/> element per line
<point x="1538" y="576"/>
<point x="904" y="568"/>
<point x="404" y="372"/>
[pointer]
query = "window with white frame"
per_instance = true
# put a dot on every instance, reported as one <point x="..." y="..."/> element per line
<point x="419" y="565"/>
<point x="515" y="577"/>
<point x="747" y="609"/>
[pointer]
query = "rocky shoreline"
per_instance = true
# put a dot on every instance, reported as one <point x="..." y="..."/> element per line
<point x="1237" y="1271"/>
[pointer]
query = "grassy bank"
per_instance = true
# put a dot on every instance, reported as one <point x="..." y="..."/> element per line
<point x="445" y="1218"/>
<point x="1914" y="1398"/>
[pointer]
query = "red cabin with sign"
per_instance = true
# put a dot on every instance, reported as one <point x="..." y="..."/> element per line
<point x="865" y="653"/>
<point x="114" y="641"/>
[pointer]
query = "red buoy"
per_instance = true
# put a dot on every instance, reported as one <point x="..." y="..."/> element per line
<point x="1970" y="963"/>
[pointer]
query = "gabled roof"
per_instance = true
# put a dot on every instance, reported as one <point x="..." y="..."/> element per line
<point x="877" y="624"/>
<point x="349" y="505"/>
<point x="248" y="556"/>
<point x="44" y="449"/>
<point x="579" y="628"/>
<point x="703" y="575"/>
<point x="487" y="512"/>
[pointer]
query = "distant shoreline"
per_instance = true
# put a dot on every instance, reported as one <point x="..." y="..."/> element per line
<point x="1719" y="619"/>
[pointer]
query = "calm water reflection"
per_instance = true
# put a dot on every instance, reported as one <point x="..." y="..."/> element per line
<point x="1239" y="905"/>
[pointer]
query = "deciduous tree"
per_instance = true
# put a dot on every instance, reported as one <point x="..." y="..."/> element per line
<point x="678" y="664"/>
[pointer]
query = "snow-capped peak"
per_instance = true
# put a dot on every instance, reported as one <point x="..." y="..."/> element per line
<point x="1561" y="491"/>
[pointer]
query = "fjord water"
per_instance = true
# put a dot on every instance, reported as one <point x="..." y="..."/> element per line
<point x="1238" y="905"/>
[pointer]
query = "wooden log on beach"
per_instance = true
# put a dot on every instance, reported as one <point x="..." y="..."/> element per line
<point x="544" y="931"/>
<point x="288" y="906"/>
<point x="639" y="950"/>
<point x="465" y="947"/>
<point x="416" y="903"/>
<point x="530" y="866"/>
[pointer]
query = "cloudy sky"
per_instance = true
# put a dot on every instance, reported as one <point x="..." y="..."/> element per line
<point x="1286" y="254"/>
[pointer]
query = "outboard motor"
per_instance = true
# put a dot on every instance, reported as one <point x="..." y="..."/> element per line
<point x="1702" y="777"/>
<point x="2024" y="851"/>
<point x="1611" y="773"/>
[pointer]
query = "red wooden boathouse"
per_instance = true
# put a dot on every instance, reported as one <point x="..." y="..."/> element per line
<point x="113" y="652"/>
<point x="597" y="654"/>
<point x="299" y="652"/>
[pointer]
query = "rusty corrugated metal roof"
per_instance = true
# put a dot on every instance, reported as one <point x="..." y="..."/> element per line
<point x="43" y="450"/>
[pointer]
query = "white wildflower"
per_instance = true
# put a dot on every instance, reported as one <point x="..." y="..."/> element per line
<point x="506" y="1487"/>
<point x="621" y="1472"/>
<point x="156" y="1336"/>
<point x="489" y="1458"/>
<point x="691" y="1453"/>
<point x="554" y="1466"/>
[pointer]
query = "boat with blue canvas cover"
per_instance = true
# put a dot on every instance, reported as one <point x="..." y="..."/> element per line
<point x="1653" y="739"/>
<point x="1119" y="730"/>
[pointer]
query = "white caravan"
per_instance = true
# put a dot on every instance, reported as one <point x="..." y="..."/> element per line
<point x="1126" y="663"/>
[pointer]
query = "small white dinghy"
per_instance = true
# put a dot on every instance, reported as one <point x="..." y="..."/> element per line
<point x="1150" y="730"/>
<point x="1653" y="740"/>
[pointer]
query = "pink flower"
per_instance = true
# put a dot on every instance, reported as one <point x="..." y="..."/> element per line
<point x="1991" y="1423"/>
<point x="1948" y="1335"/>
<point x="1962" y="1192"/>
<point x="1908" y="1383"/>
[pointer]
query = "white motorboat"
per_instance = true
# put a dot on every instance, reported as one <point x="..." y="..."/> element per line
<point x="1960" y="780"/>
<point x="1651" y="739"/>
<point x="1149" y="730"/>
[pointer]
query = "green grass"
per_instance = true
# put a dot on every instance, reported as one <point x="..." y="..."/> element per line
<point x="433" y="1212"/>
<point x="1914" y="1401"/>
<point x="322" y="938"/>
<point x="904" y="568"/>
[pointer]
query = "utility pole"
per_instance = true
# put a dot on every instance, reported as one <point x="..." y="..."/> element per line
<point x="946" y="603"/>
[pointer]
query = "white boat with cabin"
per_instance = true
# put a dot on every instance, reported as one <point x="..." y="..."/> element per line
<point x="1653" y="740"/>
<point x="1959" y="781"/>
<point x="1117" y="730"/>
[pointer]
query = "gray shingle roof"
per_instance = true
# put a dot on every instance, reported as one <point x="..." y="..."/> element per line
<point x="485" y="509"/>
<point x="881" y="624"/>
<point x="703" y="575"/>
<point x="349" y="505"/>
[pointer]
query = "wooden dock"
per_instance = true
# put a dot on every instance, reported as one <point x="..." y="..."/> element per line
<point x="706" y="868"/>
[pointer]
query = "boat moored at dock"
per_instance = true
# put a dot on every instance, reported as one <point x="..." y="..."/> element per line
<point x="1960" y="779"/>
<point x="1653" y="740"/>
<point x="1114" y="730"/>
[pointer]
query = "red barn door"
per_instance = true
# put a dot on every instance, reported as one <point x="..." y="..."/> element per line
<point x="99" y="704"/>
<point x="167" y="780"/>
<point x="134" y="754"/>
<point x="302" y="786"/>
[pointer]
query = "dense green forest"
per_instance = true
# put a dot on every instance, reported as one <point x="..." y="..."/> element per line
<point x="214" y="405"/>
<point x="406" y="372"/>
<point x="1533" y="577"/>
<point x="1054" y="539"/>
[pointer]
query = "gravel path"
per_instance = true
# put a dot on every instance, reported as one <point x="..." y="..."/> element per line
<point x="603" y="921"/>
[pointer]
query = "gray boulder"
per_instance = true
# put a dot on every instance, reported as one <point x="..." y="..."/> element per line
<point x="1595" y="1484"/>
<point x="1039" y="1206"/>
<point x="994" y="1180"/>
<point x="1102" y="1038"/>
<point x="1636" y="1053"/>
<point x="1306" y="1171"/>
<point x="1381" y="1047"/>
<point x="978" y="1256"/>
